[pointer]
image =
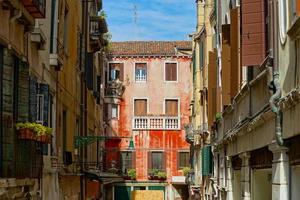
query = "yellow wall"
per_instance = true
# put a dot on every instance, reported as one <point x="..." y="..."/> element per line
<point x="147" y="195"/>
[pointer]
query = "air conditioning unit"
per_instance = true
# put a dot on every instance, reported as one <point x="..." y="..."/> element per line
<point x="68" y="158"/>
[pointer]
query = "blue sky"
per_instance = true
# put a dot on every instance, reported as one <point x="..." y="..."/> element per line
<point x="156" y="19"/>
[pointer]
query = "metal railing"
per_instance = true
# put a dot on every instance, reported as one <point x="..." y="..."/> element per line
<point x="156" y="123"/>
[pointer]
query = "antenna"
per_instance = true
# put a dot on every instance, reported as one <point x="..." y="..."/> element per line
<point x="135" y="20"/>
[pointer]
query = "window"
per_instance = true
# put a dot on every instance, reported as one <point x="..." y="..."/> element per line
<point x="115" y="71"/>
<point x="140" y="107"/>
<point x="156" y="160"/>
<point x="64" y="129"/>
<point x="171" y="107"/>
<point x="171" y="72"/>
<point x="114" y="111"/>
<point x="183" y="159"/>
<point x="140" y="72"/>
<point x="201" y="54"/>
<point x="126" y="161"/>
<point x="66" y="26"/>
<point x="40" y="108"/>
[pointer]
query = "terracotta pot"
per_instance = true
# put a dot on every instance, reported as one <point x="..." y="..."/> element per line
<point x="44" y="139"/>
<point x="26" y="134"/>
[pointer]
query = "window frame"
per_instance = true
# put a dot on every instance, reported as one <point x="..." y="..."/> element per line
<point x="178" y="159"/>
<point x="121" y="160"/>
<point x="177" y="76"/>
<point x="163" y="159"/>
<point x="178" y="106"/>
<point x="40" y="108"/>
<point x="140" y="98"/>
<point x="108" y="71"/>
<point x="117" y="111"/>
<point x="134" y="75"/>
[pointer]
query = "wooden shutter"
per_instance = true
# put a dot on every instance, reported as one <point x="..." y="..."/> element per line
<point x="121" y="68"/>
<point x="171" y="72"/>
<point x="33" y="99"/>
<point x="133" y="162"/>
<point x="164" y="160"/>
<point x="89" y="71"/>
<point x="235" y="51"/>
<point x="171" y="107"/>
<point x="140" y="107"/>
<point x="44" y="89"/>
<point x="298" y="7"/>
<point x="253" y="32"/>
<point x="212" y="79"/>
<point x="23" y="92"/>
<point x="149" y="159"/>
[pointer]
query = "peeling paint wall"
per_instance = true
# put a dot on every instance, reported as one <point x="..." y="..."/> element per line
<point x="155" y="90"/>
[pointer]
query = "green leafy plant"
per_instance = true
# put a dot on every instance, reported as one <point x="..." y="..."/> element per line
<point x="186" y="171"/>
<point x="38" y="129"/>
<point x="102" y="14"/>
<point x="162" y="174"/>
<point x="131" y="173"/>
<point x="218" y="117"/>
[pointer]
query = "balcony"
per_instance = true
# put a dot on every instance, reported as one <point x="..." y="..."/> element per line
<point x="36" y="8"/>
<point x="114" y="89"/>
<point x="57" y="57"/>
<point x="156" y="123"/>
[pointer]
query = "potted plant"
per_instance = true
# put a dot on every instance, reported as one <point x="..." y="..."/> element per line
<point x="34" y="131"/>
<point x="26" y="131"/>
<point x="157" y="174"/>
<point x="130" y="175"/>
<point x="186" y="171"/>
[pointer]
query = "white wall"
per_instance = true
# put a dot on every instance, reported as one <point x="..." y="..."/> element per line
<point x="237" y="192"/>
<point x="295" y="179"/>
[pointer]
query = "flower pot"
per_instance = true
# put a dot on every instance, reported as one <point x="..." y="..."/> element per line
<point x="44" y="139"/>
<point x="26" y="134"/>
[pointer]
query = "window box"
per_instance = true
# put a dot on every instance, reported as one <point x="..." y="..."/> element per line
<point x="130" y="174"/>
<point x="26" y="134"/>
<point x="157" y="174"/>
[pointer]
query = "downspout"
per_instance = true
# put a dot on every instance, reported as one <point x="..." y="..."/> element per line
<point x="275" y="84"/>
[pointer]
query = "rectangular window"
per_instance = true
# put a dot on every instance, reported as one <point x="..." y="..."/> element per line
<point x="40" y="108"/>
<point x="171" y="72"/>
<point x="66" y="23"/>
<point x="140" y="72"/>
<point x="140" y="107"/>
<point x="201" y="54"/>
<point x="114" y="111"/>
<point x="116" y="71"/>
<point x="157" y="160"/>
<point x="183" y="160"/>
<point x="171" y="107"/>
<point x="126" y="161"/>
<point x="64" y="129"/>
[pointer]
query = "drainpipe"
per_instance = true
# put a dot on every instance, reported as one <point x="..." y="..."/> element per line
<point x="275" y="84"/>
<point x="17" y="16"/>
<point x="276" y="109"/>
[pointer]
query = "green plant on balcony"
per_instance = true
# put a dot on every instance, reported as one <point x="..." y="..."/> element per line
<point x="157" y="174"/>
<point x="186" y="171"/>
<point x="102" y="14"/>
<point x="34" y="131"/>
<point x="131" y="173"/>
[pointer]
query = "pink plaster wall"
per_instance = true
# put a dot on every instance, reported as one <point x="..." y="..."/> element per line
<point x="155" y="89"/>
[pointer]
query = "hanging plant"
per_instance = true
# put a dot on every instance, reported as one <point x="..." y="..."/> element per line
<point x="34" y="131"/>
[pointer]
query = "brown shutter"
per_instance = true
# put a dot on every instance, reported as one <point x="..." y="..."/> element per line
<point x="171" y="107"/>
<point x="174" y="72"/>
<point x="168" y="72"/>
<point x="235" y="51"/>
<point x="164" y="160"/>
<point x="121" y="68"/>
<point x="178" y="160"/>
<point x="133" y="162"/>
<point x="140" y="107"/>
<point x="149" y="158"/>
<point x="253" y="32"/>
<point x="212" y="79"/>
<point x="298" y="7"/>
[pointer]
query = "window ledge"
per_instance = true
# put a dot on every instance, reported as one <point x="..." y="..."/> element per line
<point x="294" y="30"/>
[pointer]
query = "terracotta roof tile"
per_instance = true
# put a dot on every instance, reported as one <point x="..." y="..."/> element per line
<point x="148" y="48"/>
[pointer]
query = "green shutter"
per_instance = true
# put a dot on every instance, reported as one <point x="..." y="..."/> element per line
<point x="207" y="162"/>
<point x="122" y="192"/>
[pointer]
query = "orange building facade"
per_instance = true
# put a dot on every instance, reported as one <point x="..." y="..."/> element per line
<point x="147" y="104"/>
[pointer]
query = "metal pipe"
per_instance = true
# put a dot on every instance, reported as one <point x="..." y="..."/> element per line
<point x="276" y="82"/>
